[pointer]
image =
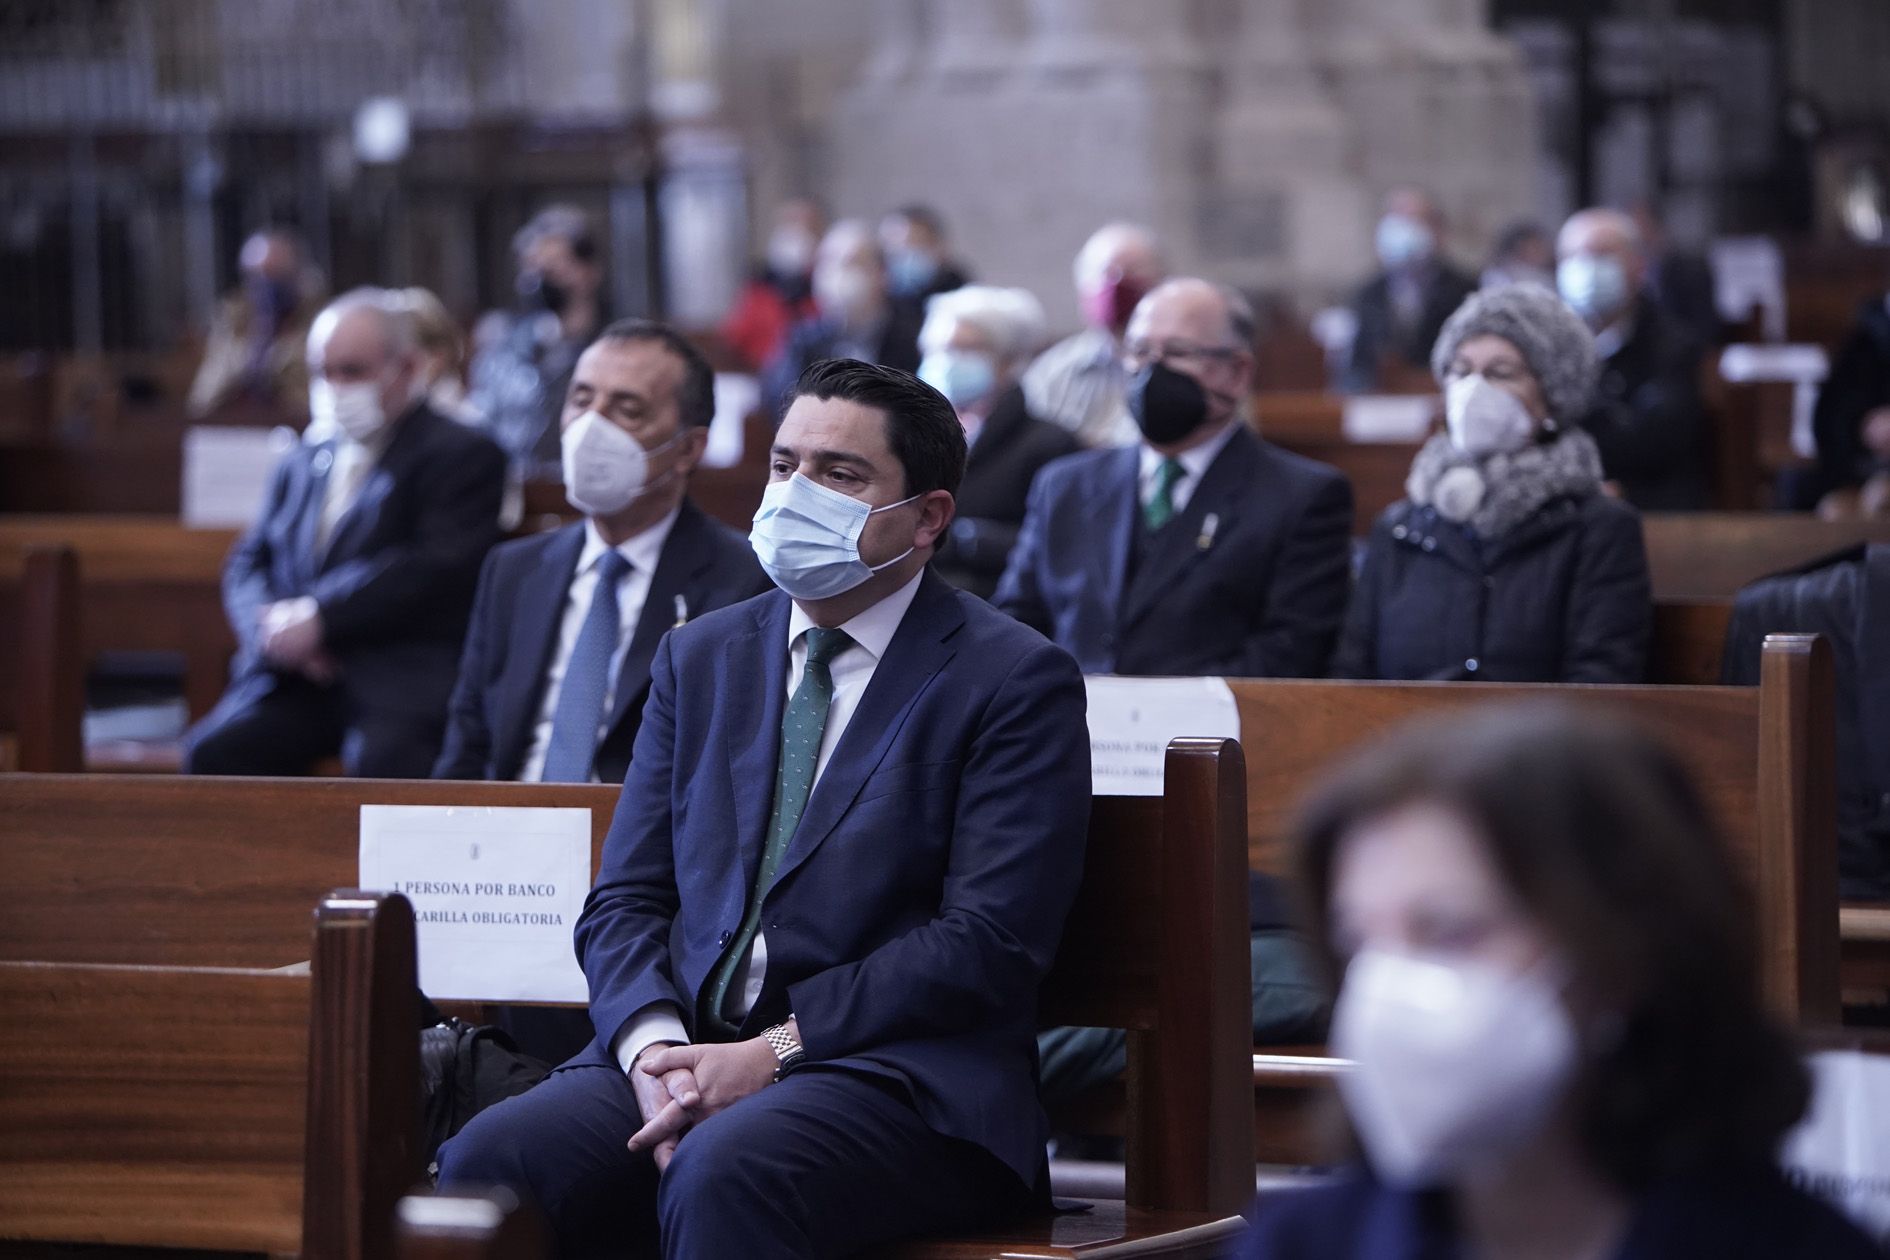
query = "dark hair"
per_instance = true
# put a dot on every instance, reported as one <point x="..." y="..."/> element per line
<point x="565" y="222"/>
<point x="1600" y="833"/>
<point x="922" y="216"/>
<point x="921" y="426"/>
<point x="695" y="395"/>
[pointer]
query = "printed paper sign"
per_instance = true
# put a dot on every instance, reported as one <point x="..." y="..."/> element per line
<point x="227" y="471"/>
<point x="496" y="894"/>
<point x="1131" y="721"/>
<point x="1841" y="1151"/>
<point x="1388" y="417"/>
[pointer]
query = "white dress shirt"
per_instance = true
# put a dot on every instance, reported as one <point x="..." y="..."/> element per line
<point x="347" y="473"/>
<point x="1195" y="461"/>
<point x="851" y="669"/>
<point x="633" y="588"/>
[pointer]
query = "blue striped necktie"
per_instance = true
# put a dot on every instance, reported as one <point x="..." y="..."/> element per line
<point x="578" y="720"/>
<point x="802" y="728"/>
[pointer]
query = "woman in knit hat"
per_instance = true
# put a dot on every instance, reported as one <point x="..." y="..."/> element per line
<point x="1506" y="562"/>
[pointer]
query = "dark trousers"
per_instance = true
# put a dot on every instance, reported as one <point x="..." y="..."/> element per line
<point x="823" y="1163"/>
<point x="271" y="724"/>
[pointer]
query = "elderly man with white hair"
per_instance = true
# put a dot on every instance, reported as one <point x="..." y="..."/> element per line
<point x="1079" y="382"/>
<point x="1648" y="418"/>
<point x="349" y="595"/>
<point x="976" y="341"/>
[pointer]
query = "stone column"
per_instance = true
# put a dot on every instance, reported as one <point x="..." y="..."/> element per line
<point x="1035" y="122"/>
<point x="1287" y="206"/>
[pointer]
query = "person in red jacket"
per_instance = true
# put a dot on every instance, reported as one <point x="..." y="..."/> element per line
<point x="780" y="293"/>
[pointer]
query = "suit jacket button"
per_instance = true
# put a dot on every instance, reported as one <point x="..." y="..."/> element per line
<point x="726" y="937"/>
<point x="1430" y="544"/>
<point x="1399" y="532"/>
<point x="1471" y="665"/>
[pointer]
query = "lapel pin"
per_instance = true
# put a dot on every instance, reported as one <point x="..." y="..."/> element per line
<point x="682" y="613"/>
<point x="1210" y="525"/>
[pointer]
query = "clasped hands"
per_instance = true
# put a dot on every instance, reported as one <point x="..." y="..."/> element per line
<point x="291" y="631"/>
<point x="679" y="1086"/>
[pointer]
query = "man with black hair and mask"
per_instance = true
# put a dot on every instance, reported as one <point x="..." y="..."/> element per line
<point x="1202" y="549"/>
<point x="520" y="376"/>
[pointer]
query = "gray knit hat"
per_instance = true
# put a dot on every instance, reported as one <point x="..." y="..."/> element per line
<point x="1554" y="342"/>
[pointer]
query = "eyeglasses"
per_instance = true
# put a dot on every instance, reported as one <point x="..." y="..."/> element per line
<point x="1137" y="355"/>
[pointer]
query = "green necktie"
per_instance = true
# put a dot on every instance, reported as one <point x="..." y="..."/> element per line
<point x="1161" y="505"/>
<point x="801" y="730"/>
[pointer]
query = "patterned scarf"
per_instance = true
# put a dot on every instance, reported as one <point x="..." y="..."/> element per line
<point x="1495" y="494"/>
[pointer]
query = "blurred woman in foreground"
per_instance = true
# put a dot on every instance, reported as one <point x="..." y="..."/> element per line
<point x="1551" y="995"/>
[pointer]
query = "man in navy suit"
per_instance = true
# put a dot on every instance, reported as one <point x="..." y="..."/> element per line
<point x="852" y="828"/>
<point x="636" y="419"/>
<point x="350" y="593"/>
<point x="1202" y="549"/>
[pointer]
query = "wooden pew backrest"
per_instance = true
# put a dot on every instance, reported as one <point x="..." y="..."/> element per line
<point x="1157" y="944"/>
<point x="1761" y="758"/>
<point x="224" y="1109"/>
<point x="1707" y="557"/>
<point x="202" y="872"/>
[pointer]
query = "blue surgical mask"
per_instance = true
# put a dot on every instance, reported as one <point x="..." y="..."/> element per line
<point x="1402" y="241"/>
<point x="1595" y="285"/>
<point x="964" y="377"/>
<point x="807" y="538"/>
<point x="910" y="270"/>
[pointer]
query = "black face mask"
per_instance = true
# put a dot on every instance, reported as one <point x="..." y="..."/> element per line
<point x="1167" y="405"/>
<point x="541" y="292"/>
<point x="276" y="299"/>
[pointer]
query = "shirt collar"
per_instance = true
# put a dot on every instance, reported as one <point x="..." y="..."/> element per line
<point x="641" y="550"/>
<point x="1195" y="460"/>
<point x="872" y="629"/>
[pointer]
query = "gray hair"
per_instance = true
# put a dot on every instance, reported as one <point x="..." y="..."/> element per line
<point x="1012" y="318"/>
<point x="397" y="326"/>
<point x="1552" y="339"/>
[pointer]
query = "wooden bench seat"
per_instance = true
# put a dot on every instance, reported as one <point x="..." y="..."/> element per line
<point x="211" y="872"/>
<point x="215" y="1108"/>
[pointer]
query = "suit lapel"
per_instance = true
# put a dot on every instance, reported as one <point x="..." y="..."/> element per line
<point x="1227" y="481"/>
<point x="1112" y="512"/>
<point x="376" y="484"/>
<point x="752" y="724"/>
<point x="539" y="611"/>
<point x="308" y="515"/>
<point x="685" y="554"/>
<point x="919" y="649"/>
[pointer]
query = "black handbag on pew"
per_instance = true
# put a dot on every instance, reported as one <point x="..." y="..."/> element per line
<point x="463" y="1070"/>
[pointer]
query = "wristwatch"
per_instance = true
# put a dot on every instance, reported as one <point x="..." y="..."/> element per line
<point x="787" y="1049"/>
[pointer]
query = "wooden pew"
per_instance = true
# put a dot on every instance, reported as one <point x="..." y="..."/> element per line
<point x="1699" y="561"/>
<point x="1711" y="556"/>
<point x="202" y="872"/>
<point x="145" y="585"/>
<point x="461" y="1225"/>
<point x="1763" y="759"/>
<point x="208" y="872"/>
<point x="219" y="1109"/>
<point x="44" y="709"/>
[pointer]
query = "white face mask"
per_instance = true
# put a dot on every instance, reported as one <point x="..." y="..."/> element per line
<point x="605" y="469"/>
<point x="844" y="292"/>
<point x="1457" y="1064"/>
<point x="353" y="409"/>
<point x="807" y="538"/>
<point x="1486" y="419"/>
<point x="1595" y="285"/>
